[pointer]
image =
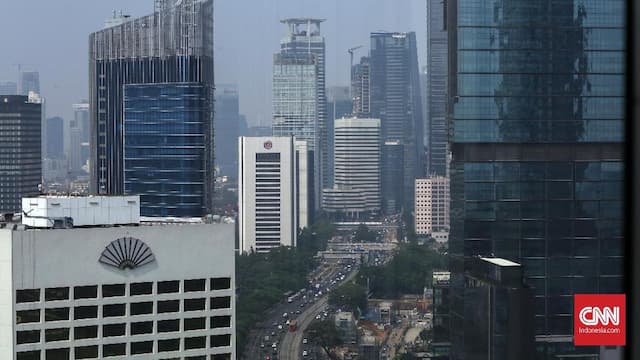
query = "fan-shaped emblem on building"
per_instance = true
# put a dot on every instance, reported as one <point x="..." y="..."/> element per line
<point x="126" y="253"/>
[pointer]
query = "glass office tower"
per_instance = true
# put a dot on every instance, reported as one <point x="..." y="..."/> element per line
<point x="537" y="104"/>
<point x="165" y="147"/>
<point x="172" y="45"/>
<point x="396" y="101"/>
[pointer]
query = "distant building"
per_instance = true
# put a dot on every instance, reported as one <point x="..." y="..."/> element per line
<point x="295" y="103"/>
<point x="339" y="105"/>
<point x="149" y="291"/>
<point x="29" y="81"/>
<point x="356" y="190"/>
<point x="346" y="324"/>
<point x="77" y="135"/>
<point x="20" y="129"/>
<point x="267" y="200"/>
<point x="166" y="148"/>
<point x="499" y="322"/>
<point x="8" y="88"/>
<point x="172" y="45"/>
<point x="441" y="282"/>
<point x="227" y="129"/>
<point x="432" y="205"/>
<point x="369" y="348"/>
<point x="392" y="171"/>
<point x="304" y="185"/>
<point x="396" y="101"/>
<point x="361" y="88"/>
<point x="54" y="170"/>
<point x="55" y="138"/>
<point x="254" y="131"/>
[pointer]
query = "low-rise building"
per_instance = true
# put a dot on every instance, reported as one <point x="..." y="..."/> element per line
<point x="432" y="207"/>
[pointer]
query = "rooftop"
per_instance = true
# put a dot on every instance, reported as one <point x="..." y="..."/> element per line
<point x="500" y="261"/>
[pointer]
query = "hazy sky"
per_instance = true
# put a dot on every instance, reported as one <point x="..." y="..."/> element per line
<point x="52" y="37"/>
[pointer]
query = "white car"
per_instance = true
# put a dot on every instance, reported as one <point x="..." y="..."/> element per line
<point x="305" y="353"/>
<point x="304" y="341"/>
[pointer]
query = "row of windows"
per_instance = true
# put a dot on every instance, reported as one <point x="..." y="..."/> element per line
<point x="114" y="310"/>
<point x="114" y="330"/>
<point x="142" y="347"/>
<point x="114" y="290"/>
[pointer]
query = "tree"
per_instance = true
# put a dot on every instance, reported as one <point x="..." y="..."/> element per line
<point x="349" y="296"/>
<point x="325" y="335"/>
<point x="363" y="234"/>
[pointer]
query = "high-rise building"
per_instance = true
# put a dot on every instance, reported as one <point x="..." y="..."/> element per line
<point x="304" y="185"/>
<point x="339" y="105"/>
<point x="436" y="88"/>
<point x="8" y="88"/>
<point x="78" y="134"/>
<point x="55" y="137"/>
<point x="20" y="160"/>
<point x="432" y="205"/>
<point x="227" y="129"/>
<point x="356" y="190"/>
<point x="29" y="82"/>
<point x="177" y="48"/>
<point x="166" y="149"/>
<point x="537" y="106"/>
<point x="126" y="291"/>
<point x="299" y="66"/>
<point x="267" y="200"/>
<point x="440" y="345"/>
<point x="361" y="88"/>
<point x="396" y="100"/>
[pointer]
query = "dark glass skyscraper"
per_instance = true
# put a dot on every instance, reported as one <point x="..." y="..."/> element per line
<point x="537" y="102"/>
<point x="227" y="129"/>
<point x="55" y="137"/>
<point x="396" y="101"/>
<point x="172" y="45"/>
<point x="165" y="147"/>
<point x="20" y="154"/>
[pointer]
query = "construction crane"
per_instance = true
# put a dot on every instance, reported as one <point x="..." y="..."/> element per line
<point x="351" y="51"/>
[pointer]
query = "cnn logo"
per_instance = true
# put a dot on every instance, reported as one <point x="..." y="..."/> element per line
<point x="599" y="319"/>
<point x="592" y="316"/>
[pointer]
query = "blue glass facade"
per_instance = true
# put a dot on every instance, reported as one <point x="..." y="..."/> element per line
<point x="165" y="147"/>
<point x="537" y="111"/>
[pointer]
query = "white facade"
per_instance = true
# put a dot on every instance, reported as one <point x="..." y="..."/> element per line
<point x="267" y="193"/>
<point x="432" y="207"/>
<point x="169" y="295"/>
<point x="304" y="183"/>
<point x="357" y="153"/>
<point x="85" y="211"/>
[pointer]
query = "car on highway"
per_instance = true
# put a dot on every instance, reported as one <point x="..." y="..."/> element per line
<point x="304" y="341"/>
<point x="305" y="353"/>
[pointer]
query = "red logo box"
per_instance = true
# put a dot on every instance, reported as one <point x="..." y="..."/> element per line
<point x="599" y="320"/>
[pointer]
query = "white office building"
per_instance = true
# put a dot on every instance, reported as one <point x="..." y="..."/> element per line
<point x="432" y="207"/>
<point x="161" y="291"/>
<point x="356" y="189"/>
<point x="267" y="203"/>
<point x="304" y="184"/>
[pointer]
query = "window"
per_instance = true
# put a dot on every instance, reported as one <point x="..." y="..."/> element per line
<point x="113" y="290"/>
<point x="221" y="302"/>
<point x="143" y="327"/>
<point x="194" y="324"/>
<point x="220" y="283"/>
<point x="114" y="310"/>
<point x="169" y="345"/>
<point x="114" y="350"/>
<point x="27" y="316"/>
<point x="195" y="343"/>
<point x="85" y="332"/>
<point x="59" y="334"/>
<point x="57" y="354"/>
<point x="143" y="347"/>
<point x="194" y="285"/>
<point x="56" y="314"/>
<point x="112" y="330"/>
<point x="28" y="337"/>
<point x="221" y="357"/>
<point x="167" y="287"/>
<point x="195" y="304"/>
<point x="86" y="352"/>
<point x="142" y="308"/>
<point x="220" y="340"/>
<point x="85" y="312"/>
<point x="168" y="306"/>
<point x="55" y="294"/>
<point x="28" y="355"/>
<point x="85" y="292"/>
<point x="220" y="322"/>
<point x="28" y="295"/>
<point x="168" y="326"/>
<point x="144" y="288"/>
